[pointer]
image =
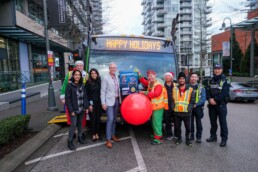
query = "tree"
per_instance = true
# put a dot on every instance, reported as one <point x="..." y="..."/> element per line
<point x="202" y="22"/>
<point x="237" y="56"/>
<point x="245" y="62"/>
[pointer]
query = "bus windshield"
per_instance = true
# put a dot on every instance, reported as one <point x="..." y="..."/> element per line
<point x="128" y="61"/>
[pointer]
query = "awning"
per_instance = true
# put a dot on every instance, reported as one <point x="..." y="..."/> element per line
<point x="31" y="38"/>
<point x="247" y="24"/>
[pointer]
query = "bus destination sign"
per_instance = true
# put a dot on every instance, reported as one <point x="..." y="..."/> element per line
<point x="132" y="44"/>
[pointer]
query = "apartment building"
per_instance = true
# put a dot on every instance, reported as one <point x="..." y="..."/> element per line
<point x="22" y="40"/>
<point x="193" y="38"/>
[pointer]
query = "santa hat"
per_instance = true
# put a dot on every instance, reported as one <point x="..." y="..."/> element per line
<point x="79" y="62"/>
<point x="151" y="72"/>
<point x="169" y="73"/>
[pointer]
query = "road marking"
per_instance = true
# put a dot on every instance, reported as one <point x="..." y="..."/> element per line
<point x="68" y="152"/>
<point x="64" y="134"/>
<point x="138" y="155"/>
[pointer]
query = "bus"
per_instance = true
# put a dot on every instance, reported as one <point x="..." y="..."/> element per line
<point x="132" y="52"/>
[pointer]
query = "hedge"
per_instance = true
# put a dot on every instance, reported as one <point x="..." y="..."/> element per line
<point x="12" y="127"/>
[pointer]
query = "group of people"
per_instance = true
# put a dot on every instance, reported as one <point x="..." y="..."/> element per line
<point x="171" y="103"/>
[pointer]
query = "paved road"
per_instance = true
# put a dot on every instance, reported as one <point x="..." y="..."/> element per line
<point x="135" y="153"/>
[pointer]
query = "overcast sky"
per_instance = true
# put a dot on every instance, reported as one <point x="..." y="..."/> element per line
<point x="125" y="15"/>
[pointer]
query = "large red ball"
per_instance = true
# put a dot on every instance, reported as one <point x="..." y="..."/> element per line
<point x="136" y="109"/>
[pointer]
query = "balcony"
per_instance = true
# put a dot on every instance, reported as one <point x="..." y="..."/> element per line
<point x="185" y="5"/>
<point x="157" y="6"/>
<point x="159" y="1"/>
<point x="186" y="39"/>
<point x="186" y="33"/>
<point x="181" y="1"/>
<point x="208" y="24"/>
<point x="143" y="2"/>
<point x="185" y="18"/>
<point x="208" y="11"/>
<point x="158" y="19"/>
<point x="185" y="11"/>
<point x="161" y="12"/>
<point x="161" y="26"/>
<point x="158" y="34"/>
<point x="185" y="25"/>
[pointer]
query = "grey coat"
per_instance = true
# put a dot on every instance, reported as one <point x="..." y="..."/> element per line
<point x="107" y="92"/>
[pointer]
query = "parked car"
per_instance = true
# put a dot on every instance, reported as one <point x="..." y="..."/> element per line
<point x="241" y="91"/>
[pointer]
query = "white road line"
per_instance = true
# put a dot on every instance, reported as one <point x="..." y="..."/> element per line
<point x="63" y="134"/>
<point x="138" y="155"/>
<point x="68" y="152"/>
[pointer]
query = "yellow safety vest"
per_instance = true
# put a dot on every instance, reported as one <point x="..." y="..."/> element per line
<point x="165" y="94"/>
<point x="157" y="102"/>
<point x="181" y="102"/>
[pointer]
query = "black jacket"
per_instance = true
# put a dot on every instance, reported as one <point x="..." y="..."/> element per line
<point x="71" y="99"/>
<point x="93" y="91"/>
<point x="222" y="95"/>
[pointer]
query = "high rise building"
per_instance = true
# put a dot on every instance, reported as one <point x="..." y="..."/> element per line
<point x="97" y="21"/>
<point x="192" y="38"/>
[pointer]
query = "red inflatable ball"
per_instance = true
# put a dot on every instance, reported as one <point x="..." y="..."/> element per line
<point x="136" y="109"/>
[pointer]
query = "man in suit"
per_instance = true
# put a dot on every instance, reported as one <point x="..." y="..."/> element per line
<point x="110" y="102"/>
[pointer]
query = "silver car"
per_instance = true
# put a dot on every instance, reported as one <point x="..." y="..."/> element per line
<point x="241" y="91"/>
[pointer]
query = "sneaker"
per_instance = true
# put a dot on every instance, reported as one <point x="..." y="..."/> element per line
<point x="157" y="142"/>
<point x="178" y="141"/>
<point x="199" y="141"/>
<point x="211" y="139"/>
<point x="170" y="138"/>
<point x="188" y="143"/>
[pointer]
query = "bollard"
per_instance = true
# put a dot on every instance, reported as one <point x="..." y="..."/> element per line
<point x="23" y="99"/>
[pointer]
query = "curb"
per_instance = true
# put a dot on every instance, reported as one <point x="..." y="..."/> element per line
<point x="11" y="161"/>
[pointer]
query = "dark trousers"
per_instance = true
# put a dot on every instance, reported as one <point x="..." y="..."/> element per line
<point x="95" y="118"/>
<point x="221" y="112"/>
<point x="168" y="119"/>
<point x="178" y="123"/>
<point x="76" y="121"/>
<point x="197" y="114"/>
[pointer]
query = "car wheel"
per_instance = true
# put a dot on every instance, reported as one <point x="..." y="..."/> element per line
<point x="251" y="101"/>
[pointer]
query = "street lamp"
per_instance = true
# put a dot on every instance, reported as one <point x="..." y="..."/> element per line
<point x="231" y="42"/>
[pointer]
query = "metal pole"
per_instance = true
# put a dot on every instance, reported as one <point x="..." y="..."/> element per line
<point x="231" y="47"/>
<point x="51" y="94"/>
<point x="252" y="53"/>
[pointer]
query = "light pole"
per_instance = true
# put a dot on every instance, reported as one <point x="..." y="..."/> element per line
<point x="231" y="43"/>
<point x="51" y="94"/>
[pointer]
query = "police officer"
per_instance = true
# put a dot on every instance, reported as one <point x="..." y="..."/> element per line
<point x="217" y="91"/>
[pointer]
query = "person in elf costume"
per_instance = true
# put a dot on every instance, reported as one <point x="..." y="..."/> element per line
<point x="155" y="94"/>
<point x="79" y="65"/>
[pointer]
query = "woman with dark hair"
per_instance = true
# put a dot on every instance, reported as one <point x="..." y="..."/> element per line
<point x="77" y="104"/>
<point x="93" y="86"/>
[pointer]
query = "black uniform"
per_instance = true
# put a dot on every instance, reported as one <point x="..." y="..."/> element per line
<point x="218" y="88"/>
<point x="169" y="114"/>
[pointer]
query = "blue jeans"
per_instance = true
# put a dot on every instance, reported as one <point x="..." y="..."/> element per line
<point x="112" y="112"/>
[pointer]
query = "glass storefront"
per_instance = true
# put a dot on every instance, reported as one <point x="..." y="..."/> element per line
<point x="39" y="64"/>
<point x="9" y="64"/>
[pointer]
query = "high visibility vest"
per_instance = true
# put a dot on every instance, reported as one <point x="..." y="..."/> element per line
<point x="157" y="102"/>
<point x="198" y="93"/>
<point x="181" y="102"/>
<point x="165" y="94"/>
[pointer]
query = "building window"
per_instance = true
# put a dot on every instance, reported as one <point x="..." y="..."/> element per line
<point x="9" y="65"/>
<point x="19" y="5"/>
<point x="36" y="11"/>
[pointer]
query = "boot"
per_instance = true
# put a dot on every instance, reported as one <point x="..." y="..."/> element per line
<point x="211" y="139"/>
<point x="81" y="140"/>
<point x="71" y="146"/>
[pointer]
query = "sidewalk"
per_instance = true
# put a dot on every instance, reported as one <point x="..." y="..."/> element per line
<point x="38" y="111"/>
<point x="38" y="122"/>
